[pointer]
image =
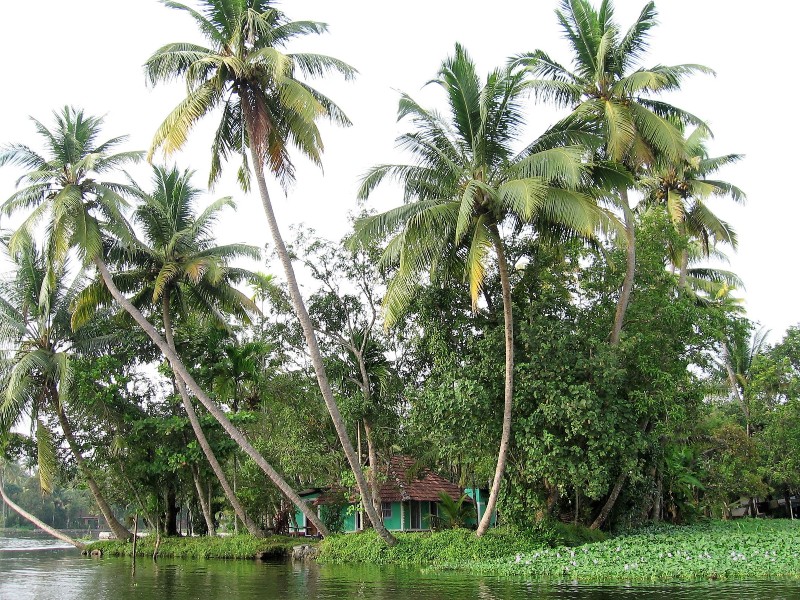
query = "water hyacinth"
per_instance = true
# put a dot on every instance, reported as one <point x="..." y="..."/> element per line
<point x="744" y="549"/>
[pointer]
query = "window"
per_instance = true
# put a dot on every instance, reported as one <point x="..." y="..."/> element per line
<point x="434" y="509"/>
<point x="386" y="510"/>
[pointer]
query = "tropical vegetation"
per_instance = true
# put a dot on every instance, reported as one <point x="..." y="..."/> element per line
<point x="541" y="316"/>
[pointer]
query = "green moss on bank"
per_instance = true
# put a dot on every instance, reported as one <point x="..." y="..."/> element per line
<point x="234" y="547"/>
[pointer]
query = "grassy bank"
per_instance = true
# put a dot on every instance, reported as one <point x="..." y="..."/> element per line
<point x="240" y="546"/>
<point x="448" y="549"/>
<point x="743" y="549"/>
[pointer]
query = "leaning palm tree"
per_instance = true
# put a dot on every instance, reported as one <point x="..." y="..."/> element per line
<point x="37" y="373"/>
<point x="683" y="187"/>
<point x="80" y="211"/>
<point x="31" y="518"/>
<point x="265" y="109"/>
<point x="467" y="183"/>
<point x="610" y="95"/>
<point x="178" y="267"/>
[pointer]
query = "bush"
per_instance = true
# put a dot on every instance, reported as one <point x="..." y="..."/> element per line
<point x="239" y="546"/>
<point x="450" y="548"/>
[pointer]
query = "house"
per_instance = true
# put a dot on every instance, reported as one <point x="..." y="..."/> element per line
<point x="409" y="499"/>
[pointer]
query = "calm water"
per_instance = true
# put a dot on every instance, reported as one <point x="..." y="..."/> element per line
<point x="37" y="568"/>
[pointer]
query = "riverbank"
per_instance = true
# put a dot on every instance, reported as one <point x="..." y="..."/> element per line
<point x="732" y="550"/>
<point x="243" y="547"/>
<point x="742" y="549"/>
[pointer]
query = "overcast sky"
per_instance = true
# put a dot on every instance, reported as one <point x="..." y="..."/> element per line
<point x="89" y="53"/>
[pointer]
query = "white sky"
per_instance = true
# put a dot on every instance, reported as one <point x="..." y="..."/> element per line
<point x="89" y="53"/>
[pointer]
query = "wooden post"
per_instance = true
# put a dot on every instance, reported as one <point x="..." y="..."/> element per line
<point x="135" y="540"/>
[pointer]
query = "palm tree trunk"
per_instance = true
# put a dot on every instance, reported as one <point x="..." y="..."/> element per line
<point x="204" y="505"/>
<point x="505" y="438"/>
<point x="314" y="352"/>
<point x="683" y="272"/>
<point x="375" y="492"/>
<point x="373" y="466"/>
<point x="630" y="268"/>
<point x="733" y="381"/>
<point x="238" y="509"/>
<point x="40" y="524"/>
<point x="182" y="373"/>
<point x="119" y="530"/>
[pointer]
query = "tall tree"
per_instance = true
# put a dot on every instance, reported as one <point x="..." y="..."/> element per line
<point x="466" y="184"/>
<point x="265" y="109"/>
<point x="613" y="97"/>
<point x="179" y="268"/>
<point x="37" y="380"/>
<point x="63" y="189"/>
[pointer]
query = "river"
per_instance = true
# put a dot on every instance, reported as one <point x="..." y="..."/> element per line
<point x="33" y="567"/>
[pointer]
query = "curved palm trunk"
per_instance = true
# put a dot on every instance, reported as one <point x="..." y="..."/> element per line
<point x="40" y="524"/>
<point x="683" y="273"/>
<point x="373" y="466"/>
<point x="732" y="380"/>
<point x="505" y="438"/>
<point x="316" y="355"/>
<point x="198" y="430"/>
<point x="119" y="530"/>
<point x="375" y="492"/>
<point x="204" y="503"/>
<point x="619" y="319"/>
<point x="630" y="268"/>
<point x="181" y="372"/>
<point x="683" y="267"/>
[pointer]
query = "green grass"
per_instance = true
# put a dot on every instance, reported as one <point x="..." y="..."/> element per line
<point x="442" y="548"/>
<point x="240" y="546"/>
<point x="743" y="549"/>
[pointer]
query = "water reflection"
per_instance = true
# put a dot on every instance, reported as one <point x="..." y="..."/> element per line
<point x="56" y="574"/>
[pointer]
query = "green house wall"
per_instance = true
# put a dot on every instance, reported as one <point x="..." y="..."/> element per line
<point x="481" y="497"/>
<point x="394" y="522"/>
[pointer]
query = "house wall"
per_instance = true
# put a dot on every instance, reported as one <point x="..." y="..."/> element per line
<point x="299" y="517"/>
<point x="481" y="497"/>
<point x="394" y="522"/>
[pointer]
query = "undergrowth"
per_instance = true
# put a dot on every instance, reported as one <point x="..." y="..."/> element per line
<point x="239" y="546"/>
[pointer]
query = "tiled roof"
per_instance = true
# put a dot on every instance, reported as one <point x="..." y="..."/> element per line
<point x="407" y="480"/>
<point x="403" y="479"/>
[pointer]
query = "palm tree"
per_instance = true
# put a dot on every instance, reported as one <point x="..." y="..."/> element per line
<point x="37" y="374"/>
<point x="78" y="208"/>
<point x="740" y="350"/>
<point x="683" y="186"/>
<point x="611" y="96"/>
<point x="265" y="109"/>
<point x="178" y="266"/>
<point x="465" y="185"/>
<point x="32" y="518"/>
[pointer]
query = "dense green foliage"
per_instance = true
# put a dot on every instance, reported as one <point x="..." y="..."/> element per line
<point x="547" y="301"/>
